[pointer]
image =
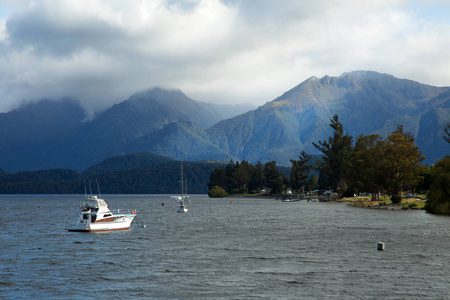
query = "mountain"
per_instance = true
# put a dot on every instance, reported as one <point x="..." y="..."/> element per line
<point x="183" y="140"/>
<point x="141" y="114"/>
<point x="23" y="128"/>
<point x="52" y="134"/>
<point x="168" y="123"/>
<point x="366" y="102"/>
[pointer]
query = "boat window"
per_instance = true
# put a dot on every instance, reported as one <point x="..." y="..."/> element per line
<point x="88" y="203"/>
<point x="92" y="203"/>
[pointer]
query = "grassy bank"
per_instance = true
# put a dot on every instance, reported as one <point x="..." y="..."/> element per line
<point x="385" y="203"/>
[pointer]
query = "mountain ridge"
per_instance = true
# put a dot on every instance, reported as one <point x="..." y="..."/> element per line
<point x="86" y="142"/>
<point x="168" y="123"/>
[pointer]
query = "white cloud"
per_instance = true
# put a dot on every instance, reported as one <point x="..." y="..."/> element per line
<point x="102" y="51"/>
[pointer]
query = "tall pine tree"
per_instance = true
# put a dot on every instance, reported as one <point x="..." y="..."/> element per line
<point x="299" y="172"/>
<point x="335" y="162"/>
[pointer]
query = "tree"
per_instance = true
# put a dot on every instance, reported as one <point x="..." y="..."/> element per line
<point x="335" y="163"/>
<point x="299" y="172"/>
<point x="285" y="179"/>
<point x="230" y="171"/>
<point x="446" y="134"/>
<point x="257" y="178"/>
<point x="401" y="162"/>
<point x="439" y="194"/>
<point x="313" y="182"/>
<point x="274" y="181"/>
<point x="322" y="181"/>
<point x="425" y="183"/>
<point x="366" y="173"/>
<point x="242" y="174"/>
<point x="218" y="178"/>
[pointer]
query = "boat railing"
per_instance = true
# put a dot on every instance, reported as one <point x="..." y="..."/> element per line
<point x="123" y="211"/>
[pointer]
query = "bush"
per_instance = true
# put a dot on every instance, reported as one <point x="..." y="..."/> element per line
<point x="350" y="192"/>
<point x="412" y="205"/>
<point x="396" y="199"/>
<point x="217" y="192"/>
<point x="439" y="194"/>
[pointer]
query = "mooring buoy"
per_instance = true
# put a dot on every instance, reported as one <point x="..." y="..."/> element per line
<point x="380" y="246"/>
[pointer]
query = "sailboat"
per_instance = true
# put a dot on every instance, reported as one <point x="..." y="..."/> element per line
<point x="182" y="208"/>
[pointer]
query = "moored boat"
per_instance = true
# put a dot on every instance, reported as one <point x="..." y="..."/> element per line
<point x="182" y="208"/>
<point x="96" y="216"/>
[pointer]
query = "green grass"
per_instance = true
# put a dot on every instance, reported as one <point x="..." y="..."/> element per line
<point x="418" y="202"/>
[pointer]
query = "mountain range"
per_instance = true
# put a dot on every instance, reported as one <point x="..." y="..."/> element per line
<point x="51" y="134"/>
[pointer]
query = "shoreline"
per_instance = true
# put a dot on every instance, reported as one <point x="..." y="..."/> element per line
<point x="406" y="204"/>
<point x="415" y="203"/>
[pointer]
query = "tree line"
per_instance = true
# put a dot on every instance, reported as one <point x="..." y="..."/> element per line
<point x="243" y="177"/>
<point x="153" y="178"/>
<point x="347" y="166"/>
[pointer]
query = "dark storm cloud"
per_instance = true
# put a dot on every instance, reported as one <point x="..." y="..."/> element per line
<point x="60" y="33"/>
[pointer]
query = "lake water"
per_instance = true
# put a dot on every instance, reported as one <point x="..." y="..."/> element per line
<point x="230" y="248"/>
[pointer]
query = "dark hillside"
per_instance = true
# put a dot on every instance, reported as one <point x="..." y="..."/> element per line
<point x="142" y="173"/>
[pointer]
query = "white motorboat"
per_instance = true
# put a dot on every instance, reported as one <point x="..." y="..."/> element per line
<point x="96" y="216"/>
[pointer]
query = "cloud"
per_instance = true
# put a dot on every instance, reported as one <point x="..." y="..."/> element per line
<point x="230" y="51"/>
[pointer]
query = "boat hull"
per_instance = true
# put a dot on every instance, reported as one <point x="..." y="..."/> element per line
<point x="120" y="223"/>
<point x="182" y="208"/>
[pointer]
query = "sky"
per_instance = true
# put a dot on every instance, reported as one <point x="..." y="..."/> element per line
<point x="100" y="52"/>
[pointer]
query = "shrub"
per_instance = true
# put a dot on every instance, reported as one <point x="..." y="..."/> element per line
<point x="396" y="199"/>
<point x="217" y="192"/>
<point x="412" y="205"/>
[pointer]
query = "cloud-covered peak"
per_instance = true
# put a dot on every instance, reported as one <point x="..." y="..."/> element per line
<point x="225" y="51"/>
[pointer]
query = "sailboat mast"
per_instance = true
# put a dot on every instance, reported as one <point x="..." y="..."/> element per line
<point x="182" y="189"/>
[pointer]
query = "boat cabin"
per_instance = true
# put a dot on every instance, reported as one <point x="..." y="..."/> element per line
<point x="92" y="203"/>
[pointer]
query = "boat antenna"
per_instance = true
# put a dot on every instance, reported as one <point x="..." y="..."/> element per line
<point x="85" y="189"/>
<point x="90" y="188"/>
<point x="98" y="187"/>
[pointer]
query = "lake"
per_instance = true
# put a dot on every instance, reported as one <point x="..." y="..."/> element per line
<point x="232" y="248"/>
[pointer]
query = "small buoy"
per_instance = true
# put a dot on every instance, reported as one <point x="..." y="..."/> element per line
<point x="162" y="204"/>
<point x="380" y="246"/>
<point x="144" y="226"/>
<point x="231" y="201"/>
